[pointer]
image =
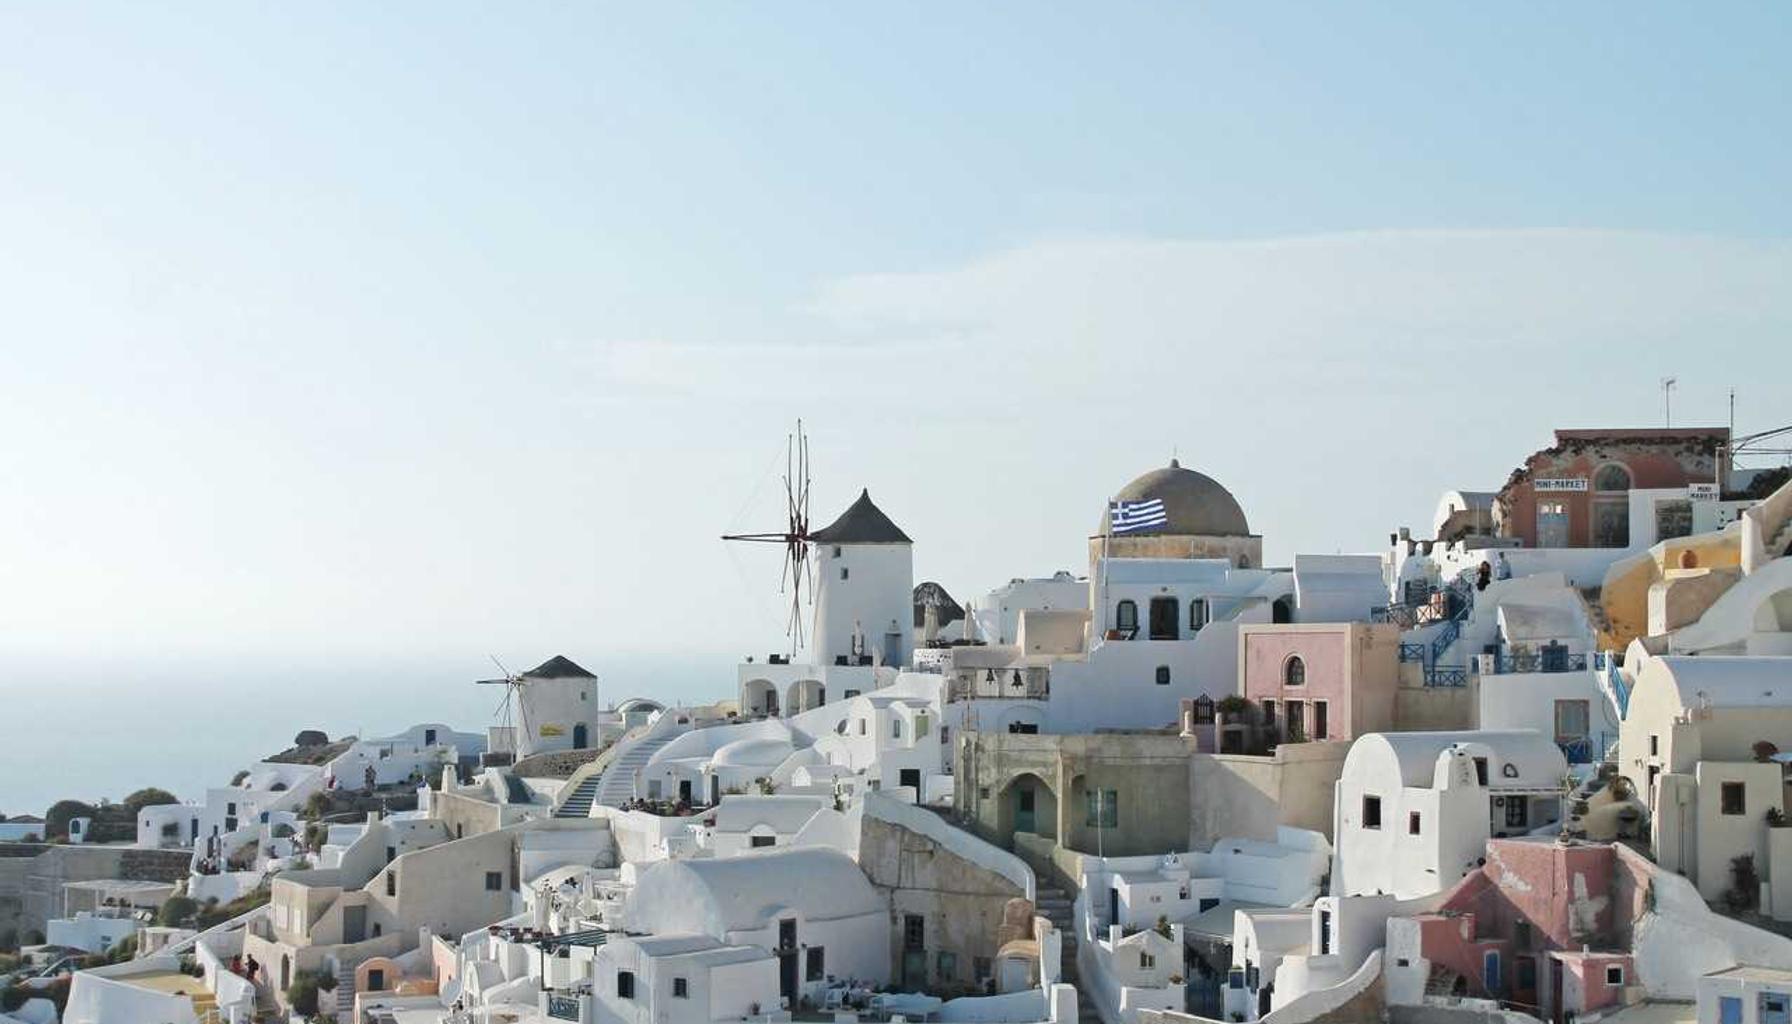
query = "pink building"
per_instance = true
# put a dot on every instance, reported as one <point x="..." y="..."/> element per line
<point x="1320" y="681"/>
<point x="1542" y="927"/>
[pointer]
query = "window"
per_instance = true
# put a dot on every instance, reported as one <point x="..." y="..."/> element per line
<point x="376" y="980"/>
<point x="983" y="967"/>
<point x="1126" y="619"/>
<point x="1654" y="746"/>
<point x="920" y="726"/>
<point x="814" y="970"/>
<point x="850" y="694"/>
<point x="391" y="854"/>
<point x="1104" y="808"/>
<point x="1611" y="477"/>
<point x="1571" y="721"/>
<point x="1371" y="812"/>
<point x="392" y="882"/>
<point x="1321" y="724"/>
<point x="1611" y="524"/>
<point x="1197" y="614"/>
<point x="844" y="571"/>
<point x="862" y="727"/>
<point x="1673" y="519"/>
<point x="681" y="988"/>
<point x="1480" y="771"/>
<point x="895" y="728"/>
<point x="494" y="881"/>
<point x="1527" y="974"/>
<point x="945" y="965"/>
<point x="1518" y="812"/>
<point x="914" y="933"/>
<point x="1163" y="675"/>
<point x="1521" y="935"/>
<point x="1614" y="974"/>
<point x="1147" y="962"/>
<point x="625" y="984"/>
<point x="1730" y="799"/>
<point x="1269" y="714"/>
<point x="760" y="842"/>
<point x="836" y="551"/>
<point x="429" y="735"/>
<point x="1294" y="672"/>
<point x="1413" y="821"/>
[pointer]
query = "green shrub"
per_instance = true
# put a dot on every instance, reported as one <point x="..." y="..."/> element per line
<point x="177" y="911"/>
<point x="149" y="796"/>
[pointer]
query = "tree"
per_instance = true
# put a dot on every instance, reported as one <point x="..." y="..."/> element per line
<point x="177" y="911"/>
<point x="61" y="812"/>
<point x="311" y="738"/>
<point x="149" y="796"/>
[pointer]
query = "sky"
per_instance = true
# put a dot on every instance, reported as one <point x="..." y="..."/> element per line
<point x="346" y="348"/>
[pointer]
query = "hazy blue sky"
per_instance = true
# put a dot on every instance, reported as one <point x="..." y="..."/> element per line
<point x="383" y="337"/>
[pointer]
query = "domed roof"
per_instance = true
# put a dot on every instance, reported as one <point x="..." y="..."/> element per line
<point x="1194" y="503"/>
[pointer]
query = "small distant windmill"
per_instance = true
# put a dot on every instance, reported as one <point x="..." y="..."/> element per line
<point x="797" y="573"/>
<point x="513" y="686"/>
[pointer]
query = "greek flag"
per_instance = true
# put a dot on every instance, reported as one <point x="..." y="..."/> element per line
<point x="1133" y="516"/>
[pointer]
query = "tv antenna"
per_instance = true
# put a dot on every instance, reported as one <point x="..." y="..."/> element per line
<point x="797" y="573"/>
<point x="1667" y="392"/>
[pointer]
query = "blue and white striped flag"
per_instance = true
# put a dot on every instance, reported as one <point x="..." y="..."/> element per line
<point x="1133" y="516"/>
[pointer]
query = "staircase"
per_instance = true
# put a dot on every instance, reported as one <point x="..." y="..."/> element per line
<point x="1054" y="904"/>
<point x="616" y="786"/>
<point x="578" y="805"/>
<point x="345" y="991"/>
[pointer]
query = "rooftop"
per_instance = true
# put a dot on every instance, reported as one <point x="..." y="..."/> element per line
<point x="861" y="523"/>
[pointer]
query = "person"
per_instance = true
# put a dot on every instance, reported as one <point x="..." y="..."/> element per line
<point x="1484" y="576"/>
<point x="236" y="965"/>
<point x="254" y="969"/>
<point x="1503" y="568"/>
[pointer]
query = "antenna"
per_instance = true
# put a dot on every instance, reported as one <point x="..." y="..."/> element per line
<point x="797" y="573"/>
<point x="1667" y="408"/>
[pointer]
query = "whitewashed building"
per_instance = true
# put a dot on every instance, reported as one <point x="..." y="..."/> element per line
<point x="1414" y="810"/>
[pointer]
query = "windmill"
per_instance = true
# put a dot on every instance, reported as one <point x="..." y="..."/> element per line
<point x="513" y="688"/>
<point x="797" y="573"/>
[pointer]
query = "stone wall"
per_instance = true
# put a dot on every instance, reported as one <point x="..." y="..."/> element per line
<point x="961" y="903"/>
<point x="37" y="886"/>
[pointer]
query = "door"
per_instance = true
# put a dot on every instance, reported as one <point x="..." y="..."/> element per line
<point x="1023" y="809"/>
<point x="787" y="952"/>
<point x="1325" y="932"/>
<point x="910" y="777"/>
<point x="580" y="737"/>
<point x="1297" y="720"/>
<point x="684" y="790"/>
<point x="1729" y="1010"/>
<point x="1164" y="618"/>
<point x="1321" y="727"/>
<point x="914" y="951"/>
<point x="1552" y="524"/>
<point x="354" y="924"/>
<point x="1113" y="906"/>
<point x="715" y="790"/>
<point x="1775" y="1008"/>
<point x="1490" y="973"/>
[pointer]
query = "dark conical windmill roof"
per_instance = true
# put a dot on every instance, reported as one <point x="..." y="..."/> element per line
<point x="863" y="523"/>
<point x="559" y="667"/>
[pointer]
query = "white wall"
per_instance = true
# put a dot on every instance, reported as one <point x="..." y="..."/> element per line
<point x="875" y="595"/>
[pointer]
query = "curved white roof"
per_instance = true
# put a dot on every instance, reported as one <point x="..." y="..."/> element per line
<point x="1535" y="757"/>
<point x="1522" y="622"/>
<point x="732" y="894"/>
<point x="784" y="814"/>
<point x="1721" y="682"/>
<point x="753" y="753"/>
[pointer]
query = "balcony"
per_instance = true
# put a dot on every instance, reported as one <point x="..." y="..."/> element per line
<point x="1000" y="684"/>
<point x="1547" y="660"/>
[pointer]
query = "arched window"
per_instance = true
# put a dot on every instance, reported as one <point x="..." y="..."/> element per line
<point x="1611" y="477"/>
<point x="1126" y="618"/>
<point x="1294" y="672"/>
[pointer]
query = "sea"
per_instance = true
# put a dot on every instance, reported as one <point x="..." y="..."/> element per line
<point x="91" y="731"/>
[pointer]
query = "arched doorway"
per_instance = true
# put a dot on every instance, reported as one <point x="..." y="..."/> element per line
<point x="805" y="695"/>
<point x="581" y="737"/>
<point x="759" y="697"/>
<point x="1282" y="610"/>
<point x="1030" y="806"/>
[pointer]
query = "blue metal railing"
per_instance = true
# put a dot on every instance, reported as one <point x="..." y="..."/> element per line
<point x="1589" y="749"/>
<point x="1412" y="652"/>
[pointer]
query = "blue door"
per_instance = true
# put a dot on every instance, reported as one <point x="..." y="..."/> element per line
<point x="1490" y="972"/>
<point x="1776" y="1008"/>
<point x="1729" y="1010"/>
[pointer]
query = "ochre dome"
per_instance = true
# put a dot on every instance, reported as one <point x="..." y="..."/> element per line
<point x="1196" y="504"/>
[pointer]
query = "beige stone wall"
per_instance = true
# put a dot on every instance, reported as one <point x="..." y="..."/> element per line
<point x="1250" y="797"/>
<point x="1434" y="708"/>
<point x="1245" y="552"/>
<point x="961" y="904"/>
<point x="466" y="816"/>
